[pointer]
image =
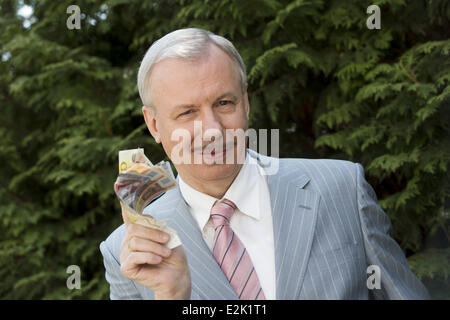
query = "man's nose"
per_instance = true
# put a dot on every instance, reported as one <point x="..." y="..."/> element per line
<point x="211" y="120"/>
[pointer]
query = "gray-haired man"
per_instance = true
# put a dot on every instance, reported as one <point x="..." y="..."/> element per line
<point x="308" y="231"/>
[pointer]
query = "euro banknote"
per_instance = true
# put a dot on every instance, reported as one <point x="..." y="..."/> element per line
<point x="138" y="183"/>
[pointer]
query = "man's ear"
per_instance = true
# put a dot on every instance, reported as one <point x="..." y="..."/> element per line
<point x="150" y="120"/>
<point x="246" y="103"/>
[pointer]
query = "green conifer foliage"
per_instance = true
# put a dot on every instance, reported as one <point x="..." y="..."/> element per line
<point x="333" y="87"/>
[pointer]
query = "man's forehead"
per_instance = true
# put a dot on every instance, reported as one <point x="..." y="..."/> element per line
<point x="212" y="59"/>
<point x="175" y="78"/>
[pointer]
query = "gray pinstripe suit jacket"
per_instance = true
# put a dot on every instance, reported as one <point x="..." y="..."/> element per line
<point x="328" y="228"/>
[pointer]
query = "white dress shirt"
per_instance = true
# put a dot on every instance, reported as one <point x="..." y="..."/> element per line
<point x="252" y="221"/>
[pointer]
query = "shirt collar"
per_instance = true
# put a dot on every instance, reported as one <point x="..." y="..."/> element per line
<point x="246" y="188"/>
<point x="199" y="202"/>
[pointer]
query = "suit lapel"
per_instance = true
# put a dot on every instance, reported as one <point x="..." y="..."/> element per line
<point x="207" y="278"/>
<point x="294" y="212"/>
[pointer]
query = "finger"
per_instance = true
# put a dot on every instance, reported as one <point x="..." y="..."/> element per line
<point x="135" y="259"/>
<point x="140" y="231"/>
<point x="137" y="244"/>
<point x="124" y="250"/>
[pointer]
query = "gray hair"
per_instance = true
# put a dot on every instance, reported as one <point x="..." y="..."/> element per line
<point x="190" y="44"/>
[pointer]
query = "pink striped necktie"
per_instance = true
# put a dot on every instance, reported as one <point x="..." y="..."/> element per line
<point x="231" y="254"/>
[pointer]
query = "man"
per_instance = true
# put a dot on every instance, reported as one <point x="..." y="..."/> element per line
<point x="310" y="230"/>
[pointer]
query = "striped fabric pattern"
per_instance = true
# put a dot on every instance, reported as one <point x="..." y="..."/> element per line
<point x="231" y="254"/>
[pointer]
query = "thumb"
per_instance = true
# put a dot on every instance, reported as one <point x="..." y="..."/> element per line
<point x="125" y="218"/>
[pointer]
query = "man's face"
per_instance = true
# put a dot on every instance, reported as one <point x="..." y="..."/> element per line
<point x="206" y="92"/>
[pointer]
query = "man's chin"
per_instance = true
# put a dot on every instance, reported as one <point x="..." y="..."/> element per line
<point x="215" y="171"/>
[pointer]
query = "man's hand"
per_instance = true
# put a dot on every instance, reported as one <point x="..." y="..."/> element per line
<point x="145" y="259"/>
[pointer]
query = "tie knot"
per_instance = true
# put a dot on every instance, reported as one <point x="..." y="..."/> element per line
<point x="221" y="212"/>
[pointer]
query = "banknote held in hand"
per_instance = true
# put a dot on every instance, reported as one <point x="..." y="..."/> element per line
<point x="139" y="182"/>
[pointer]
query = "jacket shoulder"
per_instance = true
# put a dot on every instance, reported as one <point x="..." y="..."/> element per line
<point x="318" y="162"/>
<point x="324" y="168"/>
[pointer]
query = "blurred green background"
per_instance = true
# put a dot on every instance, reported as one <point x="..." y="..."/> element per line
<point x="334" y="88"/>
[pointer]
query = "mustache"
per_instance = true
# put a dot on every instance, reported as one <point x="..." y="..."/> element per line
<point x="216" y="146"/>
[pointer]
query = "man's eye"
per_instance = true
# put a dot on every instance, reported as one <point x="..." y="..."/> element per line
<point x="224" y="102"/>
<point x="185" y="113"/>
